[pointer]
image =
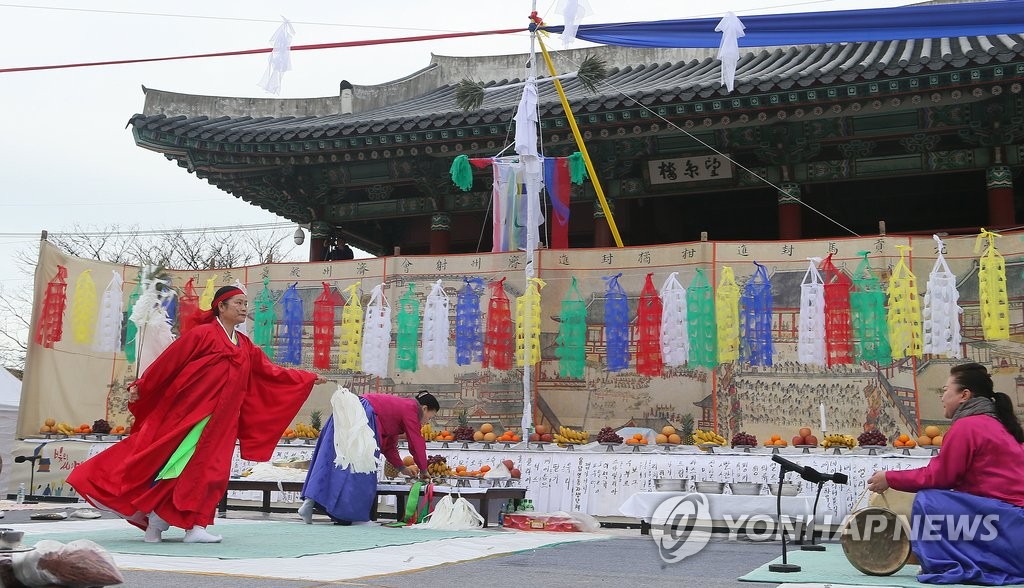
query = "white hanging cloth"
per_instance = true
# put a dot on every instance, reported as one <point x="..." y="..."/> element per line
<point x="810" y="346"/>
<point x="729" y="50"/>
<point x="573" y="12"/>
<point x="280" y="59"/>
<point x="151" y="320"/>
<point x="355" y="445"/>
<point x="436" y="328"/>
<point x="108" y="324"/>
<point x="377" y="334"/>
<point x="452" y="515"/>
<point x="941" y="309"/>
<point x="675" y="336"/>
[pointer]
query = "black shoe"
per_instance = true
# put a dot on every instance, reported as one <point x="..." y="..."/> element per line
<point x="342" y="523"/>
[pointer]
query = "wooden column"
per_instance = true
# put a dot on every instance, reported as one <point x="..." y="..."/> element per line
<point x="1001" y="209"/>
<point x="789" y="211"/>
<point x="440" y="233"/>
<point x="602" y="232"/>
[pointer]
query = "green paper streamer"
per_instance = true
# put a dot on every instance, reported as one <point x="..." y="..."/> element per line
<point x="577" y="168"/>
<point x="572" y="334"/>
<point x="408" y="330"/>
<point x="703" y="330"/>
<point x="132" y="331"/>
<point x="462" y="173"/>
<point x="867" y="301"/>
<point x="263" y="320"/>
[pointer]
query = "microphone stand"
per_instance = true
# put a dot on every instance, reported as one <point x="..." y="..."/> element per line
<point x="785" y="566"/>
<point x="813" y="523"/>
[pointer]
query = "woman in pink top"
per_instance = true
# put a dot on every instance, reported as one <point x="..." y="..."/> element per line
<point x="968" y="515"/>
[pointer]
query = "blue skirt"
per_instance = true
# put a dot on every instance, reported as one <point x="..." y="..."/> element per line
<point x="966" y="539"/>
<point x="346" y="496"/>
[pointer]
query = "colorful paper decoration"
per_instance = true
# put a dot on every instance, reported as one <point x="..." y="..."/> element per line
<point x="108" y="324"/>
<point x="616" y="324"/>
<point x="727" y="316"/>
<point x="756" y="321"/>
<point x="941" y="323"/>
<point x="904" y="313"/>
<point x="150" y="319"/>
<point x="408" y="331"/>
<point x="323" y="326"/>
<point x="648" y="321"/>
<point x="469" y="326"/>
<point x="436" y="327"/>
<point x="188" y="306"/>
<point x="51" y="319"/>
<point x="350" y="342"/>
<point x="571" y="343"/>
<point x="291" y="323"/>
<point x="838" y="316"/>
<point x="675" y="336"/>
<point x="498" y="340"/>
<point x="995" y="309"/>
<point x="209" y="291"/>
<point x="131" y="331"/>
<point x="810" y="344"/>
<point x="528" y="323"/>
<point x="263" y="318"/>
<point x="84" y="307"/>
<point x="377" y="334"/>
<point x="867" y="303"/>
<point x="700" y="316"/>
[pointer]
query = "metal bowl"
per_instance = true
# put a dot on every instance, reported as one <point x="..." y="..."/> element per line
<point x="670" y="484"/>
<point x="708" y="487"/>
<point x="746" y="488"/>
<point x="788" y="489"/>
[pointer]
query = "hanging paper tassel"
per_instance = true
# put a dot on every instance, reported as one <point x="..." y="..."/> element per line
<point x="810" y="345"/>
<point x="941" y="309"/>
<point x="838" y="333"/>
<point x="209" y="291"/>
<point x="867" y="302"/>
<point x="577" y="168"/>
<point x="436" y="327"/>
<point x="377" y="334"/>
<point x="84" y="309"/>
<point x="572" y="334"/>
<point x="462" y="173"/>
<point x="498" y="341"/>
<point x="408" y="331"/>
<point x="528" y="324"/>
<point x="291" y="320"/>
<point x="131" y="332"/>
<point x="648" y="321"/>
<point x="995" y="309"/>
<point x="323" y="327"/>
<point x="727" y="316"/>
<point x="350" y="345"/>
<point x="675" y="336"/>
<point x="469" y="340"/>
<point x="108" y="325"/>
<point x="616" y="324"/>
<point x="188" y="306"/>
<point x="263" y="319"/>
<point x="904" y="314"/>
<point x="51" y="319"/>
<point x="151" y="324"/>
<point x="700" y="314"/>
<point x="757" y="348"/>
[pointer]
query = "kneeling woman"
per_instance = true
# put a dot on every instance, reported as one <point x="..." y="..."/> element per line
<point x="968" y="514"/>
<point x="347" y="496"/>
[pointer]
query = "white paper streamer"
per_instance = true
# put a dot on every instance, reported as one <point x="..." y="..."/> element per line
<point x="573" y="12"/>
<point x="355" y="445"/>
<point x="675" y="337"/>
<point x="377" y="334"/>
<point x="150" y="318"/>
<point x="280" y="59"/>
<point x="941" y="309"/>
<point x="810" y="344"/>
<point x="108" y="324"/>
<point x="729" y="50"/>
<point x="436" y="328"/>
<point x="452" y="515"/>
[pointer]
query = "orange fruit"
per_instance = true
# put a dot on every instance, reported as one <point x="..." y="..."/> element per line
<point x="910" y="443"/>
<point x="904" y="438"/>
<point x="488" y="437"/>
<point x="515" y="438"/>
<point x="631" y="441"/>
<point x="486" y="428"/>
<point x="776" y="438"/>
<point x="460" y="468"/>
<point x="937" y="440"/>
<point x="638" y="436"/>
<point x="897" y="443"/>
<point x="485" y="468"/>
<point x="408" y="460"/>
<point x="932" y="431"/>
<point x="661" y="439"/>
<point x="643" y="441"/>
<point x="668" y="430"/>
<point x="924" y="440"/>
<point x="675" y="439"/>
<point x="50" y="423"/>
<point x="478" y="436"/>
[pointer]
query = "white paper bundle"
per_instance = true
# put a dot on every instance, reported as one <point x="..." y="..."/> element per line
<point x="941" y="309"/>
<point x="810" y="344"/>
<point x="675" y="336"/>
<point x="377" y="334"/>
<point x="436" y="328"/>
<point x="150" y="318"/>
<point x="108" y="324"/>
<point x="355" y="445"/>
<point x="457" y="515"/>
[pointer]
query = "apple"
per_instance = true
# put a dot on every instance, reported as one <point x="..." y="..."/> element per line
<point x="798" y="440"/>
<point x="547" y="438"/>
<point x="805" y="432"/>
<point x="509" y="464"/>
<point x="541" y="429"/>
<point x="515" y="473"/>
<point x="534" y="437"/>
<point x="810" y="440"/>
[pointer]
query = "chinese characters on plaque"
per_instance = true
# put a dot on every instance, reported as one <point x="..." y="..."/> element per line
<point x="694" y="168"/>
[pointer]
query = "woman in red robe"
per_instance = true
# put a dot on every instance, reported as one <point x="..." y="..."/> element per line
<point x="209" y="388"/>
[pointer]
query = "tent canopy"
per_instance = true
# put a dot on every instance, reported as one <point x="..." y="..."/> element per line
<point x="10" y="389"/>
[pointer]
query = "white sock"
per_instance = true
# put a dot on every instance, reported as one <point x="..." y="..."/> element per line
<point x="199" y="534"/>
<point x="306" y="511"/>
<point x="156" y="528"/>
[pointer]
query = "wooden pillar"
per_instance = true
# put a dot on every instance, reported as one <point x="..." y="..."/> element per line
<point x="320" y="233"/>
<point x="602" y="232"/>
<point x="440" y="233"/>
<point x="789" y="211"/>
<point x="1001" y="209"/>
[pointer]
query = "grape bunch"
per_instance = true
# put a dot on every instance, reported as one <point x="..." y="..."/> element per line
<point x="608" y="435"/>
<point x="463" y="433"/>
<point x="872" y="437"/>
<point x="101" y="426"/>
<point x="437" y="465"/>
<point x="743" y="439"/>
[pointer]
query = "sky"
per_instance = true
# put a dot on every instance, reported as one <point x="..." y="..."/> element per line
<point x="67" y="160"/>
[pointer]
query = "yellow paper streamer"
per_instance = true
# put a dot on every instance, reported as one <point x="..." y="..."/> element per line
<point x="903" y="318"/>
<point x="528" y="342"/>
<point x="995" y="308"/>
<point x="84" y="309"/>
<point x="350" y="343"/>
<point x="727" y="316"/>
<point x="206" y="298"/>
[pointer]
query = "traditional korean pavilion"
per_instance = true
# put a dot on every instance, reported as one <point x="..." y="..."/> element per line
<point x="926" y="135"/>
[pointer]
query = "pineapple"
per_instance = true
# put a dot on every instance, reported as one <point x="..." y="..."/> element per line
<point x="314" y="419"/>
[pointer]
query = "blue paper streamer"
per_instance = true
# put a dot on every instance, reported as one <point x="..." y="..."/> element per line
<point x="756" y="344"/>
<point x="616" y="324"/>
<point x="469" y="327"/>
<point x="291" y="321"/>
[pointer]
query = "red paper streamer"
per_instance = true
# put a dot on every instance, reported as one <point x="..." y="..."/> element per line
<point x="838" y="339"/>
<point x="499" y="340"/>
<point x="648" y="346"/>
<point x="323" y="326"/>
<point x="51" y="319"/>
<point x="188" y="307"/>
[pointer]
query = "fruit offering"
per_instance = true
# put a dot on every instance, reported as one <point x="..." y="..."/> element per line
<point x="872" y="437"/>
<point x="776" y="441"/>
<point x="463" y="433"/>
<point x="836" y="440"/>
<point x="437" y="466"/>
<point x="637" y="439"/>
<point x="566" y="435"/>
<point x="701" y="437"/>
<point x="303" y="431"/>
<point x="932" y="435"/>
<point x="101" y="427"/>
<point x="608" y="435"/>
<point x="83" y="429"/>
<point x="444" y="435"/>
<point x="904" y="441"/>
<point x="541" y="434"/>
<point x="668" y="436"/>
<point x="428" y="433"/>
<point x="743" y="439"/>
<point x="508" y="437"/>
<point x="804" y="437"/>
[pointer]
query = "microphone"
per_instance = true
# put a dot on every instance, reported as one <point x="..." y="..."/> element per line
<point x="24" y="458"/>
<point x="808" y="473"/>
<point x="787" y="465"/>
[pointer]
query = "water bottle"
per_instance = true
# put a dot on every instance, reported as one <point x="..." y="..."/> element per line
<point x="21" y="493"/>
<point x="501" y="513"/>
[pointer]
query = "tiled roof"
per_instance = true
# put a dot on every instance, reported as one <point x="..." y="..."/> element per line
<point x="652" y="85"/>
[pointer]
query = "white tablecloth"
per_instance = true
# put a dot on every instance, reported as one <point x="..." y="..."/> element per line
<point x="643" y="504"/>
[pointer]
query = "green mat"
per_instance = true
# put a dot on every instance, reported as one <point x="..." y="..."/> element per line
<point x="832" y="567"/>
<point x="261" y="540"/>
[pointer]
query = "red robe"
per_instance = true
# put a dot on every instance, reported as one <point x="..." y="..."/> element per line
<point x="202" y="374"/>
<point x="397" y="415"/>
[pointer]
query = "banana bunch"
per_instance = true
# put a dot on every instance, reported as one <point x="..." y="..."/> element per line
<point x="566" y="435"/>
<point x="304" y="431"/>
<point x="64" y="429"/>
<point x="836" y="440"/>
<point x="700" y="437"/>
<point x="428" y="433"/>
